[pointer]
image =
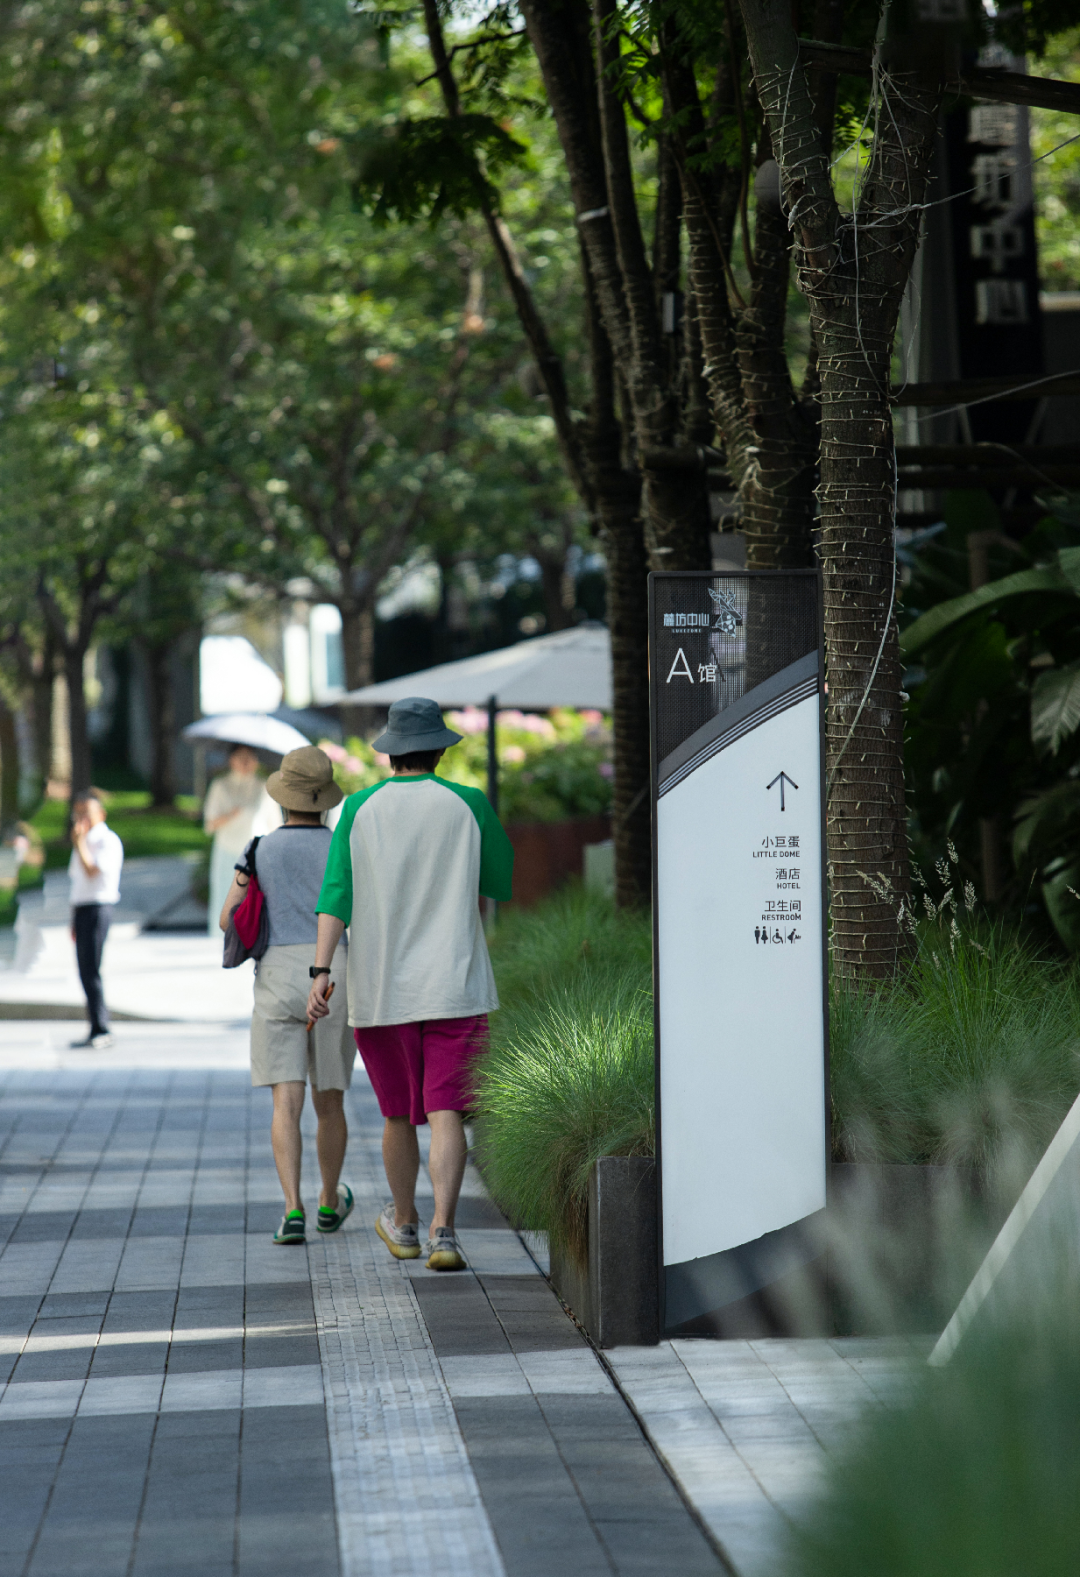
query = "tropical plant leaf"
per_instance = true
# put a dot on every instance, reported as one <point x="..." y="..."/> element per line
<point x="1069" y="559"/>
<point x="421" y="169"/>
<point x="945" y="614"/>
<point x="1055" y="706"/>
<point x="1046" y="822"/>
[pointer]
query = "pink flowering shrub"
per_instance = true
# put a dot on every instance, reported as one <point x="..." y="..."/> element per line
<point x="551" y="768"/>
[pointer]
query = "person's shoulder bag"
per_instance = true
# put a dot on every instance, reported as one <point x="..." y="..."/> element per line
<point x="247" y="934"/>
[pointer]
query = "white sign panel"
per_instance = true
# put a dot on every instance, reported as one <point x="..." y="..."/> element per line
<point x="739" y="923"/>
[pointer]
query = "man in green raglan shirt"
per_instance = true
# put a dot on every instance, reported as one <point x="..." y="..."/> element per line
<point x="409" y="861"/>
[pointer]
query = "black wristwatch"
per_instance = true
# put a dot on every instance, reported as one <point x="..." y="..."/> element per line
<point x="317" y="970"/>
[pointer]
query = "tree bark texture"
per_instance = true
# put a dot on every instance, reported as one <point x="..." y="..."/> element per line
<point x="158" y="659"/>
<point x="853" y="270"/>
<point x="9" y="769"/>
<point x="358" y="658"/>
<point x="74" y="657"/>
<point x="573" y="48"/>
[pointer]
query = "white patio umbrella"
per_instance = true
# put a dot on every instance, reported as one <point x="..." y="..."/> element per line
<point x="248" y="728"/>
<point x="569" y="668"/>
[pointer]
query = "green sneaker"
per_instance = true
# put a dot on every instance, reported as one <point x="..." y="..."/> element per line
<point x="330" y="1220"/>
<point x="291" y="1229"/>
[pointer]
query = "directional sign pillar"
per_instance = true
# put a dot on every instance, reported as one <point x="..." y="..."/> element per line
<point x="739" y="939"/>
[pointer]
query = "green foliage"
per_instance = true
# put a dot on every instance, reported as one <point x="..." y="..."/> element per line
<point x="970" y="1057"/>
<point x="550" y="768"/>
<point x="423" y="169"/>
<point x="993" y="725"/>
<point x="144" y="832"/>
<point x="569" y="1076"/>
<point x="967" y="1471"/>
<point x="1057" y="173"/>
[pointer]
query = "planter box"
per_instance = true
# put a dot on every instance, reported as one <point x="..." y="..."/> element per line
<point x="898" y="1247"/>
<point x="615" y="1298"/>
<point x="547" y="853"/>
<point x="902" y="1243"/>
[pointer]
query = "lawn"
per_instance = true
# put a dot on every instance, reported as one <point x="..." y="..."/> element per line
<point x="142" y="830"/>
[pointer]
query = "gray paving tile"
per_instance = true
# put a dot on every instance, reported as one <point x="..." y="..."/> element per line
<point x="17" y="1315"/>
<point x="535" y="1511"/>
<point x="62" y="1305"/>
<point x="195" y="1461"/>
<point x="459" y="1317"/>
<point x="197" y="1357"/>
<point x="70" y="1364"/>
<point x="101" y="1223"/>
<point x="130" y="1358"/>
<point x="531" y="1314"/>
<point x="104" y="1464"/>
<point x="279" y="1465"/>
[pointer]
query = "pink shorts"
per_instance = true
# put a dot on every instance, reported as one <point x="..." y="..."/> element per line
<point x="424" y="1067"/>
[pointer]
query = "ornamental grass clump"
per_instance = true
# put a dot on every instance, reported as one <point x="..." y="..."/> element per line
<point x="572" y="1081"/>
<point x="970" y="1058"/>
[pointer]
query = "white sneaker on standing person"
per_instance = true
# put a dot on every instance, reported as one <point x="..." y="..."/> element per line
<point x="289" y="864"/>
<point x="97" y="858"/>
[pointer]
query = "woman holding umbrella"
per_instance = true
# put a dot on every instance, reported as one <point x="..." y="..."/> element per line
<point x="236" y="800"/>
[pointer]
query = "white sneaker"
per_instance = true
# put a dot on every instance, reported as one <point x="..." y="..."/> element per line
<point x="101" y="1042"/>
<point x="444" y="1251"/>
<point x="403" y="1242"/>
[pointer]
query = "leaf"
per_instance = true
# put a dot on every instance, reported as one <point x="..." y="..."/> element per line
<point x="945" y="614"/>
<point x="421" y="169"/>
<point x="1069" y="559"/>
<point x="1055" y="706"/>
<point x="1047" y="824"/>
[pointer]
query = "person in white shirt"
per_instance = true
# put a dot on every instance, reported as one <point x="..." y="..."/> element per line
<point x="97" y="858"/>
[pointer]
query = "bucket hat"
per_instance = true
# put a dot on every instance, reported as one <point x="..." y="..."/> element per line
<point x="305" y="781"/>
<point x="414" y="724"/>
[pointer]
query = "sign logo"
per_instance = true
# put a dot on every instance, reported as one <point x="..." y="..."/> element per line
<point x="727" y="616"/>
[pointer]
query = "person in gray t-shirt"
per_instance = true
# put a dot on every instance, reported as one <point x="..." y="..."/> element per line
<point x="285" y="1051"/>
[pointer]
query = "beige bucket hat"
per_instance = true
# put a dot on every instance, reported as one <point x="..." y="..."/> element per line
<point x="305" y="781"/>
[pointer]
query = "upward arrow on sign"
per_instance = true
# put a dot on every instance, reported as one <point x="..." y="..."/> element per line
<point x="783" y="779"/>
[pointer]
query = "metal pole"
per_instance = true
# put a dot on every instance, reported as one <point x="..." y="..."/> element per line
<point x="490" y="906"/>
<point x="492" y="755"/>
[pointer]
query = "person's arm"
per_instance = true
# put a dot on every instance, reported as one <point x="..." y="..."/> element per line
<point x="215" y="823"/>
<point x="330" y="933"/>
<point x="233" y="898"/>
<point x="334" y="907"/>
<point x="496" y="856"/>
<point x="79" y="834"/>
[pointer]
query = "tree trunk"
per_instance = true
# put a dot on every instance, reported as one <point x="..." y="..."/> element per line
<point x="358" y="652"/>
<point x="557" y="589"/>
<point x="41" y="683"/>
<point x="162" y="723"/>
<point x="853" y="270"/>
<point x="619" y="504"/>
<point x="74" y="657"/>
<point x="9" y="769"/>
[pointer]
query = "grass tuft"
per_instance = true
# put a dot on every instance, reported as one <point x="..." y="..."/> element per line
<point x="971" y="1058"/>
<point x="569" y="1077"/>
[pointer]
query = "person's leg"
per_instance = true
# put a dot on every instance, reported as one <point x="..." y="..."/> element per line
<point x="88" y="958"/>
<point x="446" y="1163"/>
<point x="285" y="1138"/>
<point x="401" y="1158"/>
<point x="104" y="915"/>
<point x="330" y="1141"/>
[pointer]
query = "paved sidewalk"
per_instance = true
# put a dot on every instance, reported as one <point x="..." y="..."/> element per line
<point x="148" y="974"/>
<point x="184" y="1397"/>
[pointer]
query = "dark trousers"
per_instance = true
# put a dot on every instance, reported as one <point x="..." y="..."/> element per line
<point x="91" y="923"/>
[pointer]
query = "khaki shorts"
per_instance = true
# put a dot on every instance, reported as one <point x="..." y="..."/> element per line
<point x="281" y="1048"/>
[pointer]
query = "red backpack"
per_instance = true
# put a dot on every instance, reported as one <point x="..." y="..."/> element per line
<point x="248" y="932"/>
